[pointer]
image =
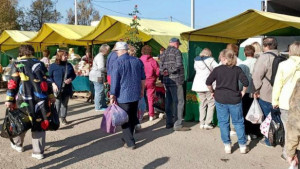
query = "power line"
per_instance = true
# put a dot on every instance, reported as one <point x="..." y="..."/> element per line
<point x="110" y="9"/>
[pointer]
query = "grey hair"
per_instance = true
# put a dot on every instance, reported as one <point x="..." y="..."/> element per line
<point x="103" y="48"/>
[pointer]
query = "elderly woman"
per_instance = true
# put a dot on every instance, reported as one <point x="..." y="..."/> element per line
<point x="288" y="73"/>
<point x="152" y="72"/>
<point x="229" y="99"/>
<point x="97" y="76"/>
<point x="258" y="49"/>
<point x="204" y="65"/>
<point x="28" y="88"/>
<point x="62" y="74"/>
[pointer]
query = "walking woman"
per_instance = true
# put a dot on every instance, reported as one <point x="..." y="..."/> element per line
<point x="28" y="90"/>
<point x="229" y="99"/>
<point x="204" y="65"/>
<point x="62" y="74"/>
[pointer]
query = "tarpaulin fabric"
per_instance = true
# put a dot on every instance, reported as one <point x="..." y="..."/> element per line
<point x="11" y="39"/>
<point x="52" y="34"/>
<point x="248" y="24"/>
<point x="113" y="28"/>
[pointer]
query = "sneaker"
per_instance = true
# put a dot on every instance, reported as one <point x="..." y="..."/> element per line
<point x="227" y="148"/>
<point x="151" y="118"/>
<point x="38" y="156"/>
<point x="262" y="142"/>
<point x="208" y="126"/>
<point x="17" y="148"/>
<point x="283" y="157"/>
<point x="244" y="149"/>
<point x="169" y="126"/>
<point x="248" y="137"/>
<point x="161" y="115"/>
<point x="64" y="122"/>
<point x="202" y="126"/>
<point x="253" y="136"/>
<point x="183" y="129"/>
<point x="138" y="127"/>
<point x="232" y="133"/>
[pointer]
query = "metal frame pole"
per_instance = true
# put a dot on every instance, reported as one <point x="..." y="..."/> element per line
<point x="193" y="14"/>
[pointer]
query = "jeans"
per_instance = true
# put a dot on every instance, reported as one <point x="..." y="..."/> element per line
<point x="174" y="105"/>
<point x="128" y="128"/>
<point x="99" y="96"/>
<point x="61" y="105"/>
<point x="206" y="108"/>
<point x="224" y="112"/>
<point x="266" y="107"/>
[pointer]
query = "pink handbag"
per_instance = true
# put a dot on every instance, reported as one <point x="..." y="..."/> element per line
<point x="106" y="124"/>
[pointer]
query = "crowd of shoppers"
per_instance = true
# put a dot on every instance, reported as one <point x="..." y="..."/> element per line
<point x="230" y="87"/>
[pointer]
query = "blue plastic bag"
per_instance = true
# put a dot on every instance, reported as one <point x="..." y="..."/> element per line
<point x="118" y="115"/>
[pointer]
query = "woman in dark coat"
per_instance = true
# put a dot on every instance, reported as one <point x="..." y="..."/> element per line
<point x="29" y="90"/>
<point x="62" y="85"/>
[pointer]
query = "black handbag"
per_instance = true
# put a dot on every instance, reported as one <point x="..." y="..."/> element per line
<point x="59" y="92"/>
<point x="53" y="119"/>
<point x="15" y="123"/>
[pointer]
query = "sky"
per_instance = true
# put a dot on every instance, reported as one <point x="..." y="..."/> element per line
<point x="207" y="12"/>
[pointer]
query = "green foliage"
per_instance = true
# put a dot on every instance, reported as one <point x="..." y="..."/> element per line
<point x="9" y="15"/>
<point x="86" y="13"/>
<point x="40" y="12"/>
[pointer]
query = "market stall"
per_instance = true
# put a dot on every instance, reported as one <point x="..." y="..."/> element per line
<point x="234" y="30"/>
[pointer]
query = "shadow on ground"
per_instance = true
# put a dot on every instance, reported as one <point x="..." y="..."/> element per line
<point x="97" y="142"/>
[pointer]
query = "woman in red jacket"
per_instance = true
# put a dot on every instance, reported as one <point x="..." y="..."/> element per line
<point x="152" y="72"/>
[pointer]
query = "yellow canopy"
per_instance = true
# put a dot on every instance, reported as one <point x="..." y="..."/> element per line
<point x="10" y="39"/>
<point x="51" y="34"/>
<point x="113" y="28"/>
<point x="248" y="24"/>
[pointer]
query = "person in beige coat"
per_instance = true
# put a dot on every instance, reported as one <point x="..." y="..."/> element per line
<point x="293" y="125"/>
<point x="263" y="72"/>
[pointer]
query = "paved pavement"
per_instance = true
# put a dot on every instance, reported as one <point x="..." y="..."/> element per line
<point x="81" y="144"/>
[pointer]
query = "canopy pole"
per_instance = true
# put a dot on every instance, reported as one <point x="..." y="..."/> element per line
<point x="266" y="5"/>
<point x="41" y="50"/>
<point x="75" y="12"/>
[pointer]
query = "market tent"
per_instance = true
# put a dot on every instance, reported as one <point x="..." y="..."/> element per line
<point x="234" y="30"/>
<point x="113" y="28"/>
<point x="10" y="39"/>
<point x="248" y="24"/>
<point x="52" y="34"/>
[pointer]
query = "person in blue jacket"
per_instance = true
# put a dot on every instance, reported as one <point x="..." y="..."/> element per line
<point x="62" y="86"/>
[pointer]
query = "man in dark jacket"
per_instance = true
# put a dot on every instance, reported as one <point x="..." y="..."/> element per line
<point x="173" y="78"/>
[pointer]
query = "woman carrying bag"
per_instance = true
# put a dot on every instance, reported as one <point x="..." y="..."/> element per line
<point x="62" y="74"/>
<point x="29" y="91"/>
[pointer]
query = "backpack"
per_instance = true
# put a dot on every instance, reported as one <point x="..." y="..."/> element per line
<point x="276" y="130"/>
<point x="278" y="58"/>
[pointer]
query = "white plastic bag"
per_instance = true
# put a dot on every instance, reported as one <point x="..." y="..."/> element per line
<point x="293" y="165"/>
<point x="255" y="114"/>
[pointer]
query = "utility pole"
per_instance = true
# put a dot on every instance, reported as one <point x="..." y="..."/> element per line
<point x="193" y="14"/>
<point x="266" y="5"/>
<point x="171" y="19"/>
<point x="75" y="11"/>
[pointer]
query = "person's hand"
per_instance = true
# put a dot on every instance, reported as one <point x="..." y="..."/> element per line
<point x="275" y="106"/>
<point x="52" y="100"/>
<point x="68" y="81"/>
<point x="213" y="95"/>
<point x="54" y="87"/>
<point x="165" y="73"/>
<point x="243" y="93"/>
<point x="142" y="93"/>
<point x="10" y="105"/>
<point x="256" y="95"/>
<point x="113" y="100"/>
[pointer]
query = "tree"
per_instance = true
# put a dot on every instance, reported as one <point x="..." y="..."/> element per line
<point x="9" y="15"/>
<point x="132" y="34"/>
<point x="40" y="12"/>
<point x="85" y="13"/>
